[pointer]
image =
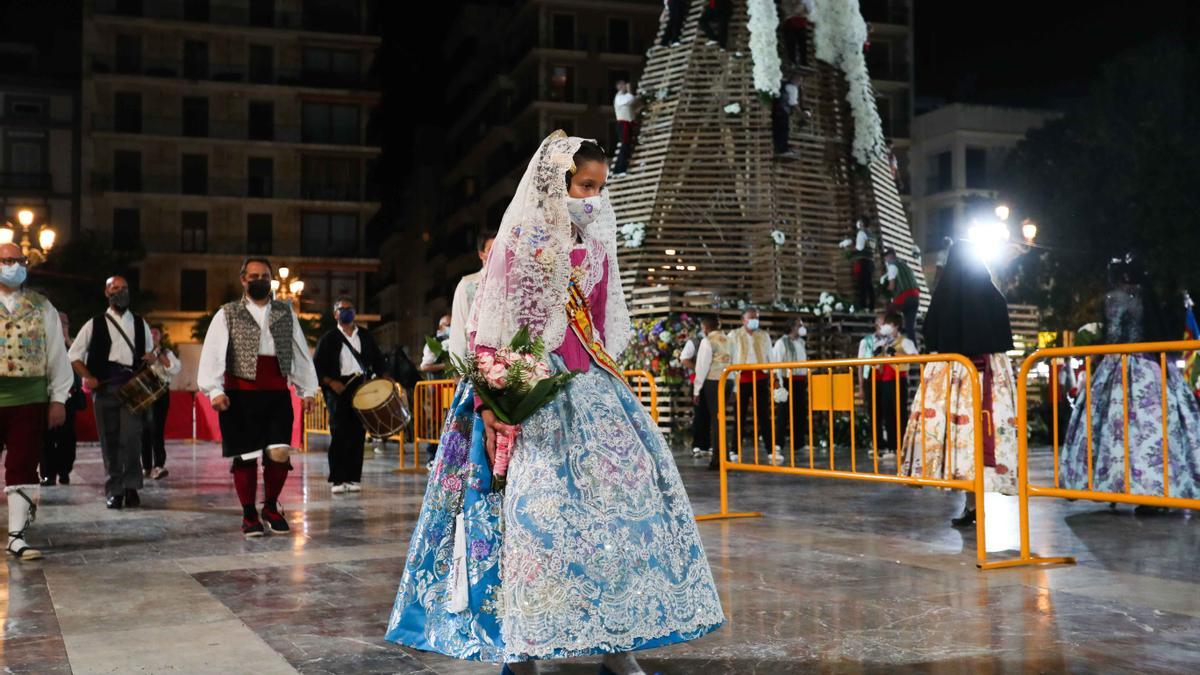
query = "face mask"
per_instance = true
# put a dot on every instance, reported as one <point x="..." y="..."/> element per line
<point x="887" y="330"/>
<point x="443" y="331"/>
<point x="119" y="300"/>
<point x="751" y="324"/>
<point x="803" y="331"/>
<point x="584" y="211"/>
<point x="258" y="289"/>
<point x="345" y="315"/>
<point x="12" y="275"/>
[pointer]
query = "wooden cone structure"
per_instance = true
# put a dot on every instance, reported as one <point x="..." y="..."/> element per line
<point x="706" y="184"/>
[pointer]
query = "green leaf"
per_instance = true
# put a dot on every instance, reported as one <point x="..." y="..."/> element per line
<point x="541" y="393"/>
<point x="520" y="342"/>
<point x="492" y="404"/>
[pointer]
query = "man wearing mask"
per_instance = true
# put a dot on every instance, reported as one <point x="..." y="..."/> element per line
<point x="58" y="456"/>
<point x="464" y="297"/>
<point x="154" y="443"/>
<point x="712" y="357"/>
<point x="887" y="341"/>
<point x="791" y="348"/>
<point x="752" y="345"/>
<point x="434" y="363"/>
<point x="346" y="357"/>
<point x="33" y="390"/>
<point x="105" y="354"/>
<point x="253" y="351"/>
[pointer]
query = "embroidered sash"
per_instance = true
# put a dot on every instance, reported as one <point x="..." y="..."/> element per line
<point x="579" y="313"/>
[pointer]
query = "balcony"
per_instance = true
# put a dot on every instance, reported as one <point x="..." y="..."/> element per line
<point x="244" y="188"/>
<point x="214" y="129"/>
<point x="234" y="73"/>
<point x="41" y="182"/>
<point x="265" y="16"/>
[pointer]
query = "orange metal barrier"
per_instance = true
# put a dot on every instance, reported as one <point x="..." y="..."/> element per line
<point x="316" y="421"/>
<point x="1027" y="489"/>
<point x="432" y="400"/>
<point x="831" y="393"/>
<point x="642" y="383"/>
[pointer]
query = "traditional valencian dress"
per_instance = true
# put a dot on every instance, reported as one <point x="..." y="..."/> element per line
<point x="1123" y="323"/>
<point x="592" y="546"/>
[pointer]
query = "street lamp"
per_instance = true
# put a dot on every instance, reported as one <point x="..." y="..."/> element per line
<point x="45" y="237"/>
<point x="1029" y="230"/>
<point x="287" y="286"/>
<point x="1002" y="211"/>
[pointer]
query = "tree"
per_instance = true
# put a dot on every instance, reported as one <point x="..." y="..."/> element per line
<point x="1113" y="175"/>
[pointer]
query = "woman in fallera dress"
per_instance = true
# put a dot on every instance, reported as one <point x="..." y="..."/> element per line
<point x="591" y="548"/>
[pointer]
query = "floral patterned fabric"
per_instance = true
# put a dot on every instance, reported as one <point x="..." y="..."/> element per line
<point x="591" y="549"/>
<point x="1144" y="381"/>
<point x="949" y="445"/>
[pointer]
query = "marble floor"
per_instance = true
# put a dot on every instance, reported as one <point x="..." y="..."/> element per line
<point x="837" y="577"/>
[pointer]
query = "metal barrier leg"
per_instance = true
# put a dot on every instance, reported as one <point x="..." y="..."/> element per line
<point x="722" y="422"/>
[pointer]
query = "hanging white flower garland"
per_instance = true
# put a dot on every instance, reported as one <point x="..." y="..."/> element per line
<point x="840" y="34"/>
<point x="763" y="22"/>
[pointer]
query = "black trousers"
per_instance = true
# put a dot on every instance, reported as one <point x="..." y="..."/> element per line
<point x="710" y="399"/>
<point x="58" y="455"/>
<point x="676" y="12"/>
<point x="346" y="438"/>
<point x="780" y="128"/>
<point x="757" y="406"/>
<point x="714" y="21"/>
<point x="154" y="447"/>
<point x="798" y="404"/>
<point x="628" y="137"/>
<point x="908" y="309"/>
<point x="864" y="284"/>
<point x="702" y="425"/>
<point x="885" y="411"/>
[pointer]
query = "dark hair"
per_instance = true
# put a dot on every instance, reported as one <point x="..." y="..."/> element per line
<point x="482" y="240"/>
<point x="893" y="318"/>
<point x="589" y="151"/>
<point x="710" y="320"/>
<point x="255" y="259"/>
<point x="343" y="298"/>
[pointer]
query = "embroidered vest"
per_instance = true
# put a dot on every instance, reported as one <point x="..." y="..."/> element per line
<point x="753" y="348"/>
<point x="23" y="338"/>
<point x="722" y="357"/>
<point x="245" y="337"/>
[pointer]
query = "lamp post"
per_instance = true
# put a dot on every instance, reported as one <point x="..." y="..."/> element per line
<point x="46" y="236"/>
<point x="288" y="287"/>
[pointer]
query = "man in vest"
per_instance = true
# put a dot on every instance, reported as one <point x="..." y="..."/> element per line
<point x="464" y="297"/>
<point x="702" y="441"/>
<point x="792" y="348"/>
<point x="750" y="345"/>
<point x="253" y="350"/>
<point x="863" y="259"/>
<point x="906" y="294"/>
<point x="105" y="353"/>
<point x="33" y="390"/>
<point x="712" y="357"/>
<point x="346" y="357"/>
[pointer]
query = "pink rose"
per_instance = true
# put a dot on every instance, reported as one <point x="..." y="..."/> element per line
<point x="484" y="361"/>
<point x="541" y="371"/>
<point x="497" y="376"/>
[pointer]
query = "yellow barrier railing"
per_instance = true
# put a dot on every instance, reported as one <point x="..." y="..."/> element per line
<point x="432" y="400"/>
<point x="316" y="421"/>
<point x="832" y="392"/>
<point x="1027" y="489"/>
<point x="642" y="383"/>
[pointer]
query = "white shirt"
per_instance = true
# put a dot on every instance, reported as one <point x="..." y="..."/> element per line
<point x="347" y="364"/>
<point x="689" y="350"/>
<point x="623" y="106"/>
<point x="793" y="94"/>
<point x="211" y="376"/>
<point x="428" y="358"/>
<point x="892" y="271"/>
<point x="779" y="354"/>
<point x="460" y="312"/>
<point x="59" y="377"/>
<point x="860" y="240"/>
<point x="119" y="352"/>
<point x="703" y="363"/>
<point x="173" y="365"/>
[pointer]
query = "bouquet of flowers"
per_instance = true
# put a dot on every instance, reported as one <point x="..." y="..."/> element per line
<point x="513" y="382"/>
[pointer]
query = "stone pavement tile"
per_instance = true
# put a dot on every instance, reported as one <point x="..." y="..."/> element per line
<point x="42" y="654"/>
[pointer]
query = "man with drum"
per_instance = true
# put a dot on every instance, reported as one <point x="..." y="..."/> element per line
<point x="33" y="390"/>
<point x="253" y="351"/>
<point x="105" y="354"/>
<point x="346" y="357"/>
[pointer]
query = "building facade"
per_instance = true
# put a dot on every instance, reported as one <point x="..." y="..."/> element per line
<point x="212" y="131"/>
<point x="957" y="155"/>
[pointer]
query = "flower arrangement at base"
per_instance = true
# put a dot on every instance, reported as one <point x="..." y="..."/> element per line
<point x="513" y="382"/>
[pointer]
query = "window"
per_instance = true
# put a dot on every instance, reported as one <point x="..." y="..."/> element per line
<point x="329" y="234"/>
<point x="194" y="174"/>
<point x="195" y="116"/>
<point x="262" y="13"/>
<point x="333" y="16"/>
<point x="260" y="177"/>
<point x="330" y="178"/>
<point x="320" y="288"/>
<point x="26" y="153"/>
<point x="127" y="111"/>
<point x="261" y="124"/>
<point x="977" y="168"/>
<point x="564" y="31"/>
<point x="943" y="226"/>
<point x="330" y="66"/>
<point x="327" y="123"/>
<point x="562" y="84"/>
<point x="262" y="64"/>
<point x="879" y="60"/>
<point x="26" y="107"/>
<point x="258" y="234"/>
<point x="127" y="230"/>
<point x="884" y="105"/>
<point x="618" y="36"/>
<point x="127" y="171"/>
<point x="940" y="172"/>
<point x="129" y="54"/>
<point x="193" y="232"/>
<point x="195" y="60"/>
<point x="195" y="10"/>
<point x="193" y="290"/>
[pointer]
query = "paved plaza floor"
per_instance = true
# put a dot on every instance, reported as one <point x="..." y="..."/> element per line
<point x="837" y="577"/>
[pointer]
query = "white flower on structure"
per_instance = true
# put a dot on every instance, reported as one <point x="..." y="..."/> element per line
<point x="734" y="108"/>
<point x="825" y="298"/>
<point x="845" y="243"/>
<point x="665" y="336"/>
<point x="851" y="309"/>
<point x="840" y="34"/>
<point x="633" y="234"/>
<point x="778" y="236"/>
<point x="763" y="22"/>
<point x="662" y="93"/>
<point x="839" y="307"/>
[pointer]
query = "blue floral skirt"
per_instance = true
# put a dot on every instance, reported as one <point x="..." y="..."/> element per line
<point x="592" y="547"/>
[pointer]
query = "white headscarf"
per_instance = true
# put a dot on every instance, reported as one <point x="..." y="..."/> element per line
<point x="524" y="282"/>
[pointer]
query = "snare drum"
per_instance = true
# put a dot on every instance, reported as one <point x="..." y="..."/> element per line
<point x="145" y="387"/>
<point x="381" y="405"/>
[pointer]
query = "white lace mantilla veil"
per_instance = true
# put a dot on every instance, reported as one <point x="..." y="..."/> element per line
<point x="525" y="279"/>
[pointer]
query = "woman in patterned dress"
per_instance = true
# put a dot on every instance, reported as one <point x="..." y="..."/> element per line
<point x="592" y="546"/>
